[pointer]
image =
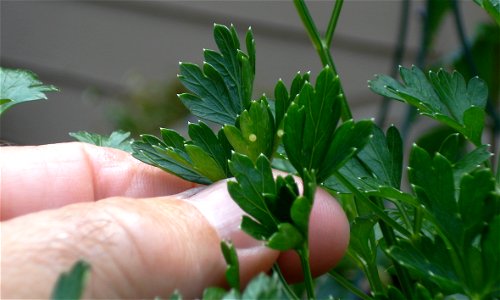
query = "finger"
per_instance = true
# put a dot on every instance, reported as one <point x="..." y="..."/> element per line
<point x="328" y="229"/>
<point x="50" y="176"/>
<point x="328" y="239"/>
<point x="136" y="248"/>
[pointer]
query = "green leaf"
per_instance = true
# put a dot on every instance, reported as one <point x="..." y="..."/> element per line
<point x="253" y="182"/>
<point x="202" y="160"/>
<point x="443" y="96"/>
<point x="255" y="135"/>
<point x="263" y="287"/>
<point x="492" y="7"/>
<point x="17" y="86"/>
<point x="421" y="293"/>
<point x="221" y="89"/>
<point x="490" y="245"/>
<point x="213" y="293"/>
<point x="450" y="147"/>
<point x="70" y="285"/>
<point x="118" y="139"/>
<point x="475" y="189"/>
<point x="429" y="260"/>
<point x="310" y="141"/>
<point x="348" y="139"/>
<point x="287" y="237"/>
<point x="394" y="293"/>
<point x="255" y="229"/>
<point x="361" y="236"/>
<point x="376" y="169"/>
<point x="176" y="295"/>
<point x="283" y="99"/>
<point x="233" y="268"/>
<point x="204" y="164"/>
<point x="432" y="181"/>
<point x="320" y="109"/>
<point x="484" y="50"/>
<point x="300" y="212"/>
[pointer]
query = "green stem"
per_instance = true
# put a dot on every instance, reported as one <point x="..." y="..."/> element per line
<point x="390" y="240"/>
<point x="313" y="33"/>
<point x="377" y="210"/>
<point x="417" y="221"/>
<point x="371" y="273"/>
<point x="290" y="293"/>
<point x="348" y="285"/>
<point x="303" y="253"/>
<point x="321" y="45"/>
<point x="397" y="57"/>
<point x="332" y="24"/>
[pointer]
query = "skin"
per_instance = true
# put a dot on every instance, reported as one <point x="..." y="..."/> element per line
<point x="64" y="202"/>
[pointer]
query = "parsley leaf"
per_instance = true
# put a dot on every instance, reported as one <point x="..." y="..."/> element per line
<point x="255" y="132"/>
<point x="17" y="86"/>
<point x="70" y="285"/>
<point x="222" y="88"/>
<point x="377" y="169"/>
<point x="118" y="139"/>
<point x="277" y="214"/>
<point x="492" y="7"/>
<point x="310" y="141"/>
<point x="233" y="268"/>
<point x="443" y="96"/>
<point x="202" y="160"/>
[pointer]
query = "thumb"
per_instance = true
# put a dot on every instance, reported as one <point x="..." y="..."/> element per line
<point x="137" y="248"/>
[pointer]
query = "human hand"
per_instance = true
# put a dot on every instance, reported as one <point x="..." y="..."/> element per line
<point x="64" y="202"/>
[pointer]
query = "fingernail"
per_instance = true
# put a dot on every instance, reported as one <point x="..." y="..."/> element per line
<point x="215" y="203"/>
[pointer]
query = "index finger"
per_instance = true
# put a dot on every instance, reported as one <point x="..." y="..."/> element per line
<point x="34" y="178"/>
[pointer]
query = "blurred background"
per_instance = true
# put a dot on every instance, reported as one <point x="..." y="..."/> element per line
<point x="115" y="62"/>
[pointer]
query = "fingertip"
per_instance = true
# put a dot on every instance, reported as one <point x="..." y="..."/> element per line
<point x="328" y="239"/>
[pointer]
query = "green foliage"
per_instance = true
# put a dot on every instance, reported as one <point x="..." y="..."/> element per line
<point x="439" y="239"/>
<point x="117" y="139"/>
<point x="202" y="160"/>
<point x="310" y="138"/>
<point x="17" y="86"/>
<point x="443" y="96"/>
<point x="492" y="7"/>
<point x="462" y="209"/>
<point x="271" y="204"/>
<point x="261" y="287"/>
<point x="70" y="285"/>
<point x="233" y="268"/>
<point x="485" y="52"/>
<point x="222" y="88"/>
<point x="255" y="133"/>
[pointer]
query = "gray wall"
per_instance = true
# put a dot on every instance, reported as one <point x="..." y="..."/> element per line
<point x="80" y="45"/>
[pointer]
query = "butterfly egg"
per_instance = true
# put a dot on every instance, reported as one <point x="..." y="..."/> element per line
<point x="280" y="133"/>
<point x="252" y="137"/>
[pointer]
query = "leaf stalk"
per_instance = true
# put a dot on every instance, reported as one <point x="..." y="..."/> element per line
<point x="303" y="253"/>
<point x="322" y="46"/>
